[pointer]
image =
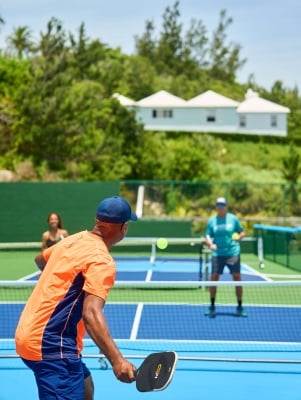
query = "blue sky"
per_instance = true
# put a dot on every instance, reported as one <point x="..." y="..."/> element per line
<point x="269" y="31"/>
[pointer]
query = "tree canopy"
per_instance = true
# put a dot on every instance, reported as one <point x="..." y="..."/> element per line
<point x="58" y="115"/>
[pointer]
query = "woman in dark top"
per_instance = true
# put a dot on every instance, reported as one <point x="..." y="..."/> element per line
<point x="55" y="232"/>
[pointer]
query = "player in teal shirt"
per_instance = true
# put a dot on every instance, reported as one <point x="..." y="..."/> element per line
<point x="221" y="229"/>
<point x="222" y="236"/>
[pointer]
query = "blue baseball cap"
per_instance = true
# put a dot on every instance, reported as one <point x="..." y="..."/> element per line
<point x="115" y="210"/>
<point x="221" y="201"/>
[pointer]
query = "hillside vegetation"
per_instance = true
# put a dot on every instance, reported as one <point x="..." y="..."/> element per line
<point x="59" y="121"/>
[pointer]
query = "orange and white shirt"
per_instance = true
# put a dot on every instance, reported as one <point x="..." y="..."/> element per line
<point x="51" y="325"/>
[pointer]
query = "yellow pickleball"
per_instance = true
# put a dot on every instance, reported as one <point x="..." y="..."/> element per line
<point x="235" y="236"/>
<point x="162" y="243"/>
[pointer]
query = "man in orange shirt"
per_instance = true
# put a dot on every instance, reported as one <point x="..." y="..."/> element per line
<point x="68" y="300"/>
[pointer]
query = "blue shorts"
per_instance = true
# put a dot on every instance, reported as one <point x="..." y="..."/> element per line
<point x="220" y="262"/>
<point x="61" y="379"/>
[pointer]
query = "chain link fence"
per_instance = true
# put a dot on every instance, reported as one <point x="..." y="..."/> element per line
<point x="269" y="203"/>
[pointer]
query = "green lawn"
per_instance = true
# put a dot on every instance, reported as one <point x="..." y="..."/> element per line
<point x="270" y="268"/>
<point x="278" y="295"/>
<point x="16" y="264"/>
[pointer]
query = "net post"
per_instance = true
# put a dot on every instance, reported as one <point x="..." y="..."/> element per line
<point x="140" y="201"/>
<point x="260" y="251"/>
<point x="204" y="262"/>
<point x="153" y="252"/>
<point x="201" y="261"/>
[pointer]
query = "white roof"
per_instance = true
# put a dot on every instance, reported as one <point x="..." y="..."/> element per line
<point x="255" y="104"/>
<point x="123" y="100"/>
<point x="162" y="99"/>
<point x="252" y="103"/>
<point x="211" y="99"/>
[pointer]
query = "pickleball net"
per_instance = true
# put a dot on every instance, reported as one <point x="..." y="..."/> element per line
<point x="190" y="247"/>
<point x="150" y="316"/>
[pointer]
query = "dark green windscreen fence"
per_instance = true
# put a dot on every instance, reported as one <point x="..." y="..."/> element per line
<point x="281" y="245"/>
<point x="24" y="207"/>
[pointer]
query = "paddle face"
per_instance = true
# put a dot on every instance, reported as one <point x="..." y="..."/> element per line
<point x="156" y="371"/>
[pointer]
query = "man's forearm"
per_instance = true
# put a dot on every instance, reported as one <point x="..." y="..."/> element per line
<point x="98" y="330"/>
<point x="40" y="261"/>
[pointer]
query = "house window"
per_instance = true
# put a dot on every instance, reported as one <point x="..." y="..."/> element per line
<point x="162" y="113"/>
<point x="274" y="121"/>
<point x="242" y="121"/>
<point x="211" y="116"/>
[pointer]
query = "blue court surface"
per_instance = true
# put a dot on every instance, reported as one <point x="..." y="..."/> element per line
<point x="167" y="269"/>
<point x="226" y="357"/>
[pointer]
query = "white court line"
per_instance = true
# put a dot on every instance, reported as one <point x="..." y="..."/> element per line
<point x="251" y="271"/>
<point x="136" y="322"/>
<point x="149" y="275"/>
<point x="27" y="277"/>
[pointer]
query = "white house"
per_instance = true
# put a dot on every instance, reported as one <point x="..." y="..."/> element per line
<point x="163" y="111"/>
<point x="209" y="112"/>
<point x="260" y="116"/>
<point x="213" y="112"/>
<point x="125" y="101"/>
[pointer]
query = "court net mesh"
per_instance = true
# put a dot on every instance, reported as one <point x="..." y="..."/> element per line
<point x="158" y="315"/>
<point x="147" y="244"/>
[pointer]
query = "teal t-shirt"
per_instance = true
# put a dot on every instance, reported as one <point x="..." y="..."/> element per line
<point x="220" y="230"/>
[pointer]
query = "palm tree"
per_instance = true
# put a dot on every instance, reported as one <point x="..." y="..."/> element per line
<point x="20" y="41"/>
